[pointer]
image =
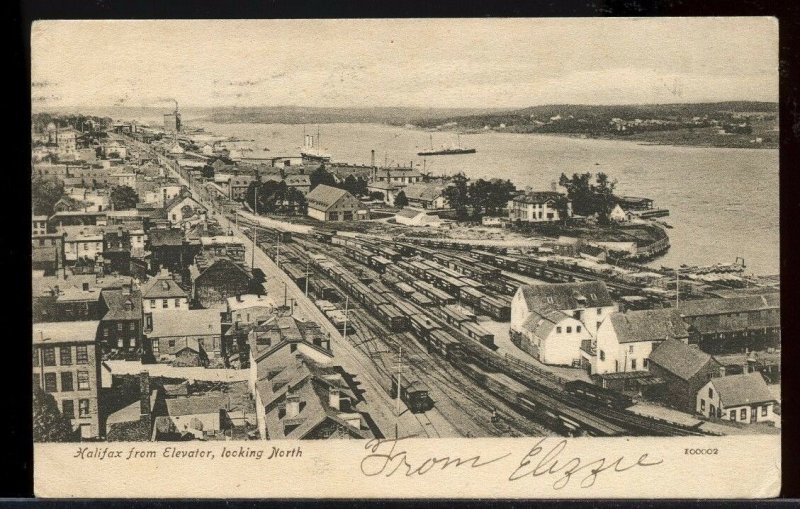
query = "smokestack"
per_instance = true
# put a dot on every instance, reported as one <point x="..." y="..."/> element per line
<point x="372" y="158"/>
<point x="553" y="186"/>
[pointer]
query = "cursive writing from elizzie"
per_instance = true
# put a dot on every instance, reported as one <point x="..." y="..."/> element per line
<point x="387" y="457"/>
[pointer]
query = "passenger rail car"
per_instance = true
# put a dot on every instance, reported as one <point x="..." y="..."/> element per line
<point x="413" y="393"/>
<point x="595" y="393"/>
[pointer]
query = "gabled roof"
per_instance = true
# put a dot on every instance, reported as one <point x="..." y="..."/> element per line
<point x="324" y="197"/>
<point x="743" y="389"/>
<point x="649" y="325"/>
<point x="298" y="180"/>
<point x="116" y="301"/>
<point x="409" y="213"/>
<point x="543" y="324"/>
<point x="163" y="286"/>
<point x="680" y="359"/>
<point x="565" y="296"/>
<point x="730" y="305"/>
<point x="422" y="191"/>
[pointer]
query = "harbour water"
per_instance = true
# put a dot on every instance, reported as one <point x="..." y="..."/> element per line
<point x="723" y="202"/>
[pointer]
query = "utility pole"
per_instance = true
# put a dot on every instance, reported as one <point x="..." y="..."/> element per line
<point x="397" y="403"/>
<point x="677" y="288"/>
<point x="285" y="289"/>
<point x="278" y="250"/>
<point x="255" y="232"/>
<point x="344" y="328"/>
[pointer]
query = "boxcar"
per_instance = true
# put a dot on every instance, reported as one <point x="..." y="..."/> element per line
<point x="471" y="296"/>
<point x="454" y="316"/>
<point x="404" y="289"/>
<point x="473" y="283"/>
<point x="477" y="333"/>
<point x="422" y="326"/>
<point x="498" y="309"/>
<point x="323" y="290"/>
<point x="379" y="263"/>
<point x="421" y="299"/>
<point x="413" y="393"/>
<point x="597" y="394"/>
<point x="323" y="235"/>
<point x="397" y="321"/>
<point x="443" y="343"/>
<point x="325" y="305"/>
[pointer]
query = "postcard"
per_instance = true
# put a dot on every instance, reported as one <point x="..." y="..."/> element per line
<point x="395" y="258"/>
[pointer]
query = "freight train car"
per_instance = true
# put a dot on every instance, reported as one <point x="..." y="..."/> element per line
<point x="497" y="308"/>
<point x="397" y="321"/>
<point x="421" y="299"/>
<point x="477" y="333"/>
<point x="321" y="235"/>
<point x="599" y="395"/>
<point x="413" y="393"/>
<point x="444" y="344"/>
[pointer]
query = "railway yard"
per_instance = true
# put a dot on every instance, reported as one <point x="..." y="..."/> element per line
<point x="412" y="310"/>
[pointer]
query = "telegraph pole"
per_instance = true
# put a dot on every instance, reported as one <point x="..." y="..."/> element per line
<point x="278" y="250"/>
<point x="397" y="402"/>
<point x="344" y="328"/>
<point x="255" y="232"/>
<point x="677" y="288"/>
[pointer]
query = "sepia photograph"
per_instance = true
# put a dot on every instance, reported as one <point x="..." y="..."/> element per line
<point x="422" y="257"/>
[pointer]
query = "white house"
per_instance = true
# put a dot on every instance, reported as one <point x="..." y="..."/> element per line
<point x="250" y="308"/>
<point x="82" y="242"/>
<point x="625" y="340"/>
<point x="617" y="214"/>
<point x="426" y="196"/>
<point x="538" y="207"/>
<point x="160" y="294"/>
<point x="183" y="207"/>
<point x="551" y="321"/>
<point x="741" y="398"/>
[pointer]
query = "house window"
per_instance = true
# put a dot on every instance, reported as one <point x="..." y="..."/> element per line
<point x="154" y="344"/>
<point x="81" y="354"/>
<point x="106" y="331"/>
<point x="83" y="408"/>
<point x="133" y="342"/>
<point x="558" y="330"/>
<point x="645" y="362"/>
<point x="49" y="356"/>
<point x="710" y="392"/>
<point x="702" y="405"/>
<point x="132" y="326"/>
<point x="293" y="347"/>
<point x="602" y="355"/>
<point x="732" y="415"/>
<point x="599" y="311"/>
<point x="764" y="411"/>
<point x="743" y="414"/>
<point x="66" y="382"/>
<point x="68" y="408"/>
<point x="65" y="355"/>
<point x="165" y="303"/>
<point x="172" y="343"/>
<point x="50" y="382"/>
<point x="119" y="343"/>
<point x="83" y="380"/>
<point x="152" y="303"/>
<point x="577" y="328"/>
<point x="119" y="326"/>
<point x="37" y="380"/>
<point x="177" y="303"/>
<point x="569" y="330"/>
<point x="36" y="357"/>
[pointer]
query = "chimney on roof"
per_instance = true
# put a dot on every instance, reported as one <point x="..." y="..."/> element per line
<point x="721" y="371"/>
<point x="301" y="361"/>
<point x="554" y="186"/>
<point x="292" y="405"/>
<point x="334" y="398"/>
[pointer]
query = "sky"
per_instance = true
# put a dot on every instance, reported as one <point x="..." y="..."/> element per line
<point x="469" y="63"/>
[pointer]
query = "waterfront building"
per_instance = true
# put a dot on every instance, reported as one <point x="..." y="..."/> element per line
<point x="326" y="203"/>
<point x="682" y="371"/>
<point x="426" y="196"/>
<point x="66" y="364"/>
<point x="538" y="207"/>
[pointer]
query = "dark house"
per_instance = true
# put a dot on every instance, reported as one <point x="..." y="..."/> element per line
<point x="213" y="281"/>
<point x="684" y="370"/>
<point x="121" y="326"/>
<point x="116" y="251"/>
<point x="170" y="250"/>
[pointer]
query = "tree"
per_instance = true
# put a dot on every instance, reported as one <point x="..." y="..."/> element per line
<point x="296" y="201"/>
<point x="499" y="195"/>
<point x="49" y="424"/>
<point x="400" y="200"/>
<point x="590" y="198"/>
<point x="124" y="198"/>
<point x="376" y="195"/>
<point x="361" y="187"/>
<point x="207" y="171"/>
<point x="321" y="176"/>
<point x="45" y="193"/>
<point x="457" y="195"/>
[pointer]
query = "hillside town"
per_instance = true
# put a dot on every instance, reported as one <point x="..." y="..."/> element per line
<point x="188" y="286"/>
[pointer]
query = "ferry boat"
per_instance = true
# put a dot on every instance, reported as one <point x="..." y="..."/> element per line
<point x="312" y="154"/>
<point x="446" y="151"/>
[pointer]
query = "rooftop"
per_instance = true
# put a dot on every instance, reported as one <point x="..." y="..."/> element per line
<point x="249" y="301"/>
<point x="196" y="405"/>
<point x="538" y="197"/>
<point x="730" y="305"/>
<point x="564" y="296"/>
<point x="64" y="332"/>
<point x="743" y="389"/>
<point x="162" y="286"/>
<point x="680" y="359"/>
<point x="649" y="325"/>
<point x="196" y="322"/>
<point x="325" y="196"/>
